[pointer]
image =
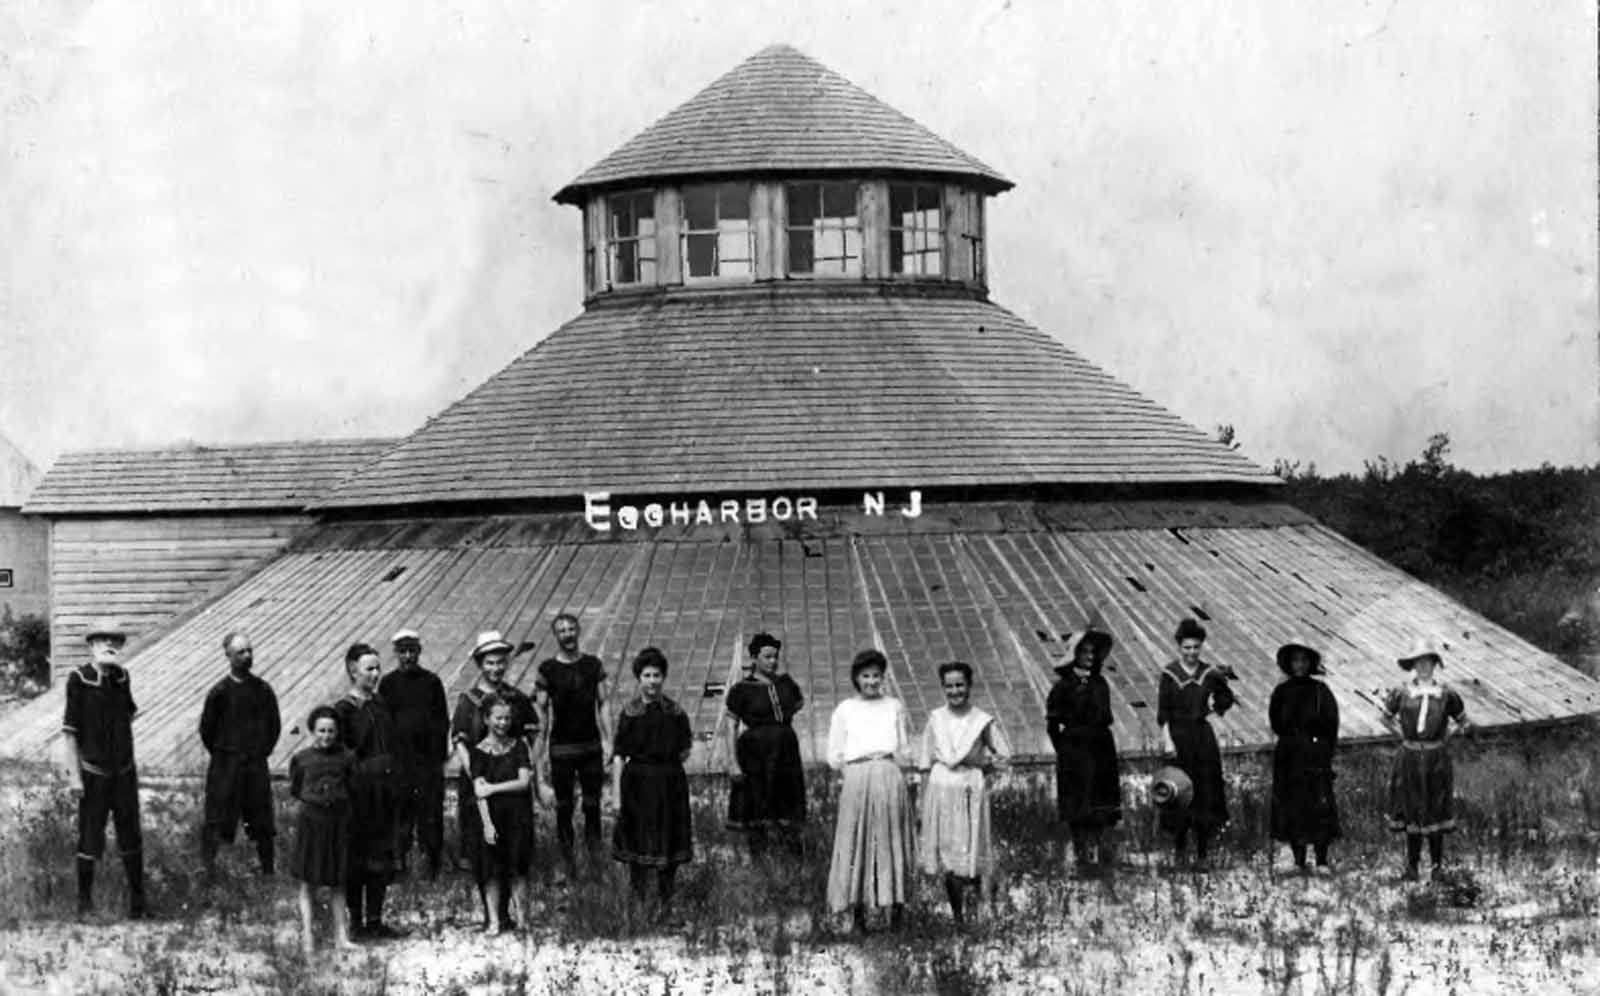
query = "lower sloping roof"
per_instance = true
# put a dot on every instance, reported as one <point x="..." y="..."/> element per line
<point x="998" y="586"/>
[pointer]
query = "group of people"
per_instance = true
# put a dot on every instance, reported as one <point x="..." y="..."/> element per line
<point x="371" y="781"/>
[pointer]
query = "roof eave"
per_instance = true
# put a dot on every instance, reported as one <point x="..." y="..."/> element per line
<point x="579" y="190"/>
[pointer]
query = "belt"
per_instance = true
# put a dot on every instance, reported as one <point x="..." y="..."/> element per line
<point x="95" y="769"/>
<point x="883" y="756"/>
<point x="1422" y="744"/>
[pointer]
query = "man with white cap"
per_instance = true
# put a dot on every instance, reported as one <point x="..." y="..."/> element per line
<point x="415" y="697"/>
<point x="99" y="763"/>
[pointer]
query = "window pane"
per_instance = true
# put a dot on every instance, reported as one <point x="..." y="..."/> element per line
<point x="799" y="251"/>
<point x="702" y="255"/>
<point x="647" y="270"/>
<point x="626" y="270"/>
<point x="700" y="208"/>
<point x="852" y="244"/>
<point x="734" y="268"/>
<point x="897" y="252"/>
<point x="733" y="244"/>
<point x="733" y="200"/>
<point x="802" y="203"/>
<point x="901" y="202"/>
<point x="931" y="262"/>
<point x="839" y="200"/>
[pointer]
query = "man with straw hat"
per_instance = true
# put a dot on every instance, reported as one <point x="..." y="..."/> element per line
<point x="99" y="763"/>
<point x="1425" y="714"/>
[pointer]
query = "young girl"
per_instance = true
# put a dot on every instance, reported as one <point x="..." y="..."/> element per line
<point x="502" y="773"/>
<point x="653" y="829"/>
<point x="319" y="777"/>
<point x="1425" y="714"/>
<point x="960" y="746"/>
<point x="868" y="740"/>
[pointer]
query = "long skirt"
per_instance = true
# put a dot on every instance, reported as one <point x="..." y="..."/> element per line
<point x="321" y="852"/>
<point x="773" y="790"/>
<point x="1304" y="810"/>
<point x="872" y="840"/>
<point x="653" y="825"/>
<point x="955" y="824"/>
<point x="1201" y="760"/>
<point x="1088" y="783"/>
<point x="1422" y="791"/>
<point x="511" y="854"/>
<point x="374" y="851"/>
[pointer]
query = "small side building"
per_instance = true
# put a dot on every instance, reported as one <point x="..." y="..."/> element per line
<point x="24" y="540"/>
<point x="141" y="535"/>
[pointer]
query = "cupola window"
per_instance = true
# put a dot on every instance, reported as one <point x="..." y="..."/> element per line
<point x="916" y="230"/>
<point x="823" y="228"/>
<point x="631" y="239"/>
<point x="718" y="238"/>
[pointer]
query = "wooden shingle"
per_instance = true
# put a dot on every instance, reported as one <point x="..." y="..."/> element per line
<point x="780" y="110"/>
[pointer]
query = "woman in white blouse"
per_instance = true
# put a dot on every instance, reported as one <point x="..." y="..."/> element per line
<point x="868" y="740"/>
<point x="960" y="747"/>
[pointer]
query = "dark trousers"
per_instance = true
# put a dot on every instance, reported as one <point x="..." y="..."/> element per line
<point x="421" y="810"/>
<point x="114" y="796"/>
<point x="238" y="788"/>
<point x="588" y="770"/>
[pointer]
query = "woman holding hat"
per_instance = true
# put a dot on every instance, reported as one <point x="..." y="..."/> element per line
<point x="1078" y="719"/>
<point x="653" y="829"/>
<point x="769" y="782"/>
<point x="1192" y="689"/>
<point x="469" y="725"/>
<point x="867" y="740"/>
<point x="1425" y="713"/>
<point x="1305" y="718"/>
<point x="959" y="748"/>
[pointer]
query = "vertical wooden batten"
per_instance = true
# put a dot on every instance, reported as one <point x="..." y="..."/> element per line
<point x="767" y="216"/>
<point x="669" y="247"/>
<point x="874" y="230"/>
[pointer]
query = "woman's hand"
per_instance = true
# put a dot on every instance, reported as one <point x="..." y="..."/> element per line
<point x="489" y="834"/>
<point x="481" y="787"/>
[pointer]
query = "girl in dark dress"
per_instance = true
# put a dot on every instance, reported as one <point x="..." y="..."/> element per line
<point x="319" y="777"/>
<point x="1305" y="719"/>
<point x="1078" y="720"/>
<point x="366" y="728"/>
<point x="1425" y="714"/>
<point x="1191" y="690"/>
<point x="502" y="777"/>
<point x="653" y="829"/>
<point x="470" y="723"/>
<point x="769" y="783"/>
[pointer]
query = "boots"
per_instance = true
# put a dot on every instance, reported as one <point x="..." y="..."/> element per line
<point x="85" y="886"/>
<point x="133" y="864"/>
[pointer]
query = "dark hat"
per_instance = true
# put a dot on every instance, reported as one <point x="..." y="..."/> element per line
<point x="1288" y="649"/>
<point x="1099" y="641"/>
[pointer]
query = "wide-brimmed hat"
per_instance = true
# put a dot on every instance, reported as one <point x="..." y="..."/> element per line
<point x="1288" y="649"/>
<point x="1421" y="647"/>
<point x="1099" y="640"/>
<point x="105" y="627"/>
<point x="406" y="636"/>
<point x="1171" y="788"/>
<point x="490" y="641"/>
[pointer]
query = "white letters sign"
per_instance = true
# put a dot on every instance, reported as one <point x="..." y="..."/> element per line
<point x="601" y="516"/>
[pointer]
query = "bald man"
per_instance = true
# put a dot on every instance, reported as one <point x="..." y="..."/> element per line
<point x="239" y="726"/>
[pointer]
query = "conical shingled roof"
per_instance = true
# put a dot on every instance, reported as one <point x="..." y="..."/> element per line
<point x="761" y="390"/>
<point x="781" y="111"/>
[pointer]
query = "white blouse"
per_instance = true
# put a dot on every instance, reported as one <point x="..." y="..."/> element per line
<point x="864" y="727"/>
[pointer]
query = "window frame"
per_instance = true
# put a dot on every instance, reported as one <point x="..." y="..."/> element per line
<point x="820" y="224"/>
<point x="686" y="233"/>
<point x="640" y="241"/>
<point x="933" y="243"/>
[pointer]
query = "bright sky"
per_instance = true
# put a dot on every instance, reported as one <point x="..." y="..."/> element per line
<point x="1339" y="226"/>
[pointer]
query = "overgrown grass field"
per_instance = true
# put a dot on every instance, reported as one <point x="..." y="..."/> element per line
<point x="1520" y="911"/>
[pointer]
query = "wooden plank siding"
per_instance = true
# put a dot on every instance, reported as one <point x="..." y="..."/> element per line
<point x="999" y="587"/>
<point x="144" y="570"/>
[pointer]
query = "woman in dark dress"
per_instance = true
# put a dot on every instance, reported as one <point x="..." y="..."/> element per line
<point x="319" y="779"/>
<point x="653" y="739"/>
<point x="367" y="730"/>
<point x="501" y="770"/>
<point x="469" y="724"/>
<point x="1078" y="720"/>
<point x="1191" y="689"/>
<point x="1425" y="714"/>
<point x="1305" y="719"/>
<point x="769" y="782"/>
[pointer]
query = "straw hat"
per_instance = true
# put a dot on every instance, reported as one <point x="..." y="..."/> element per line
<point x="490" y="641"/>
<point x="406" y="636"/>
<point x="1171" y="788"/>
<point x="105" y="627"/>
<point x="1288" y="649"/>
<point x="1420" y="648"/>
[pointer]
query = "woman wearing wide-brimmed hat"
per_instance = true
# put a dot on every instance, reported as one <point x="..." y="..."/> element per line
<point x="868" y="741"/>
<point x="1425" y="713"/>
<point x="1305" y="719"/>
<point x="1192" y="689"/>
<point x="1078" y="719"/>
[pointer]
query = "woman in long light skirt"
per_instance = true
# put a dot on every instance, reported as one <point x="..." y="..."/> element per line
<point x="868" y="740"/>
<point x="959" y="748"/>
